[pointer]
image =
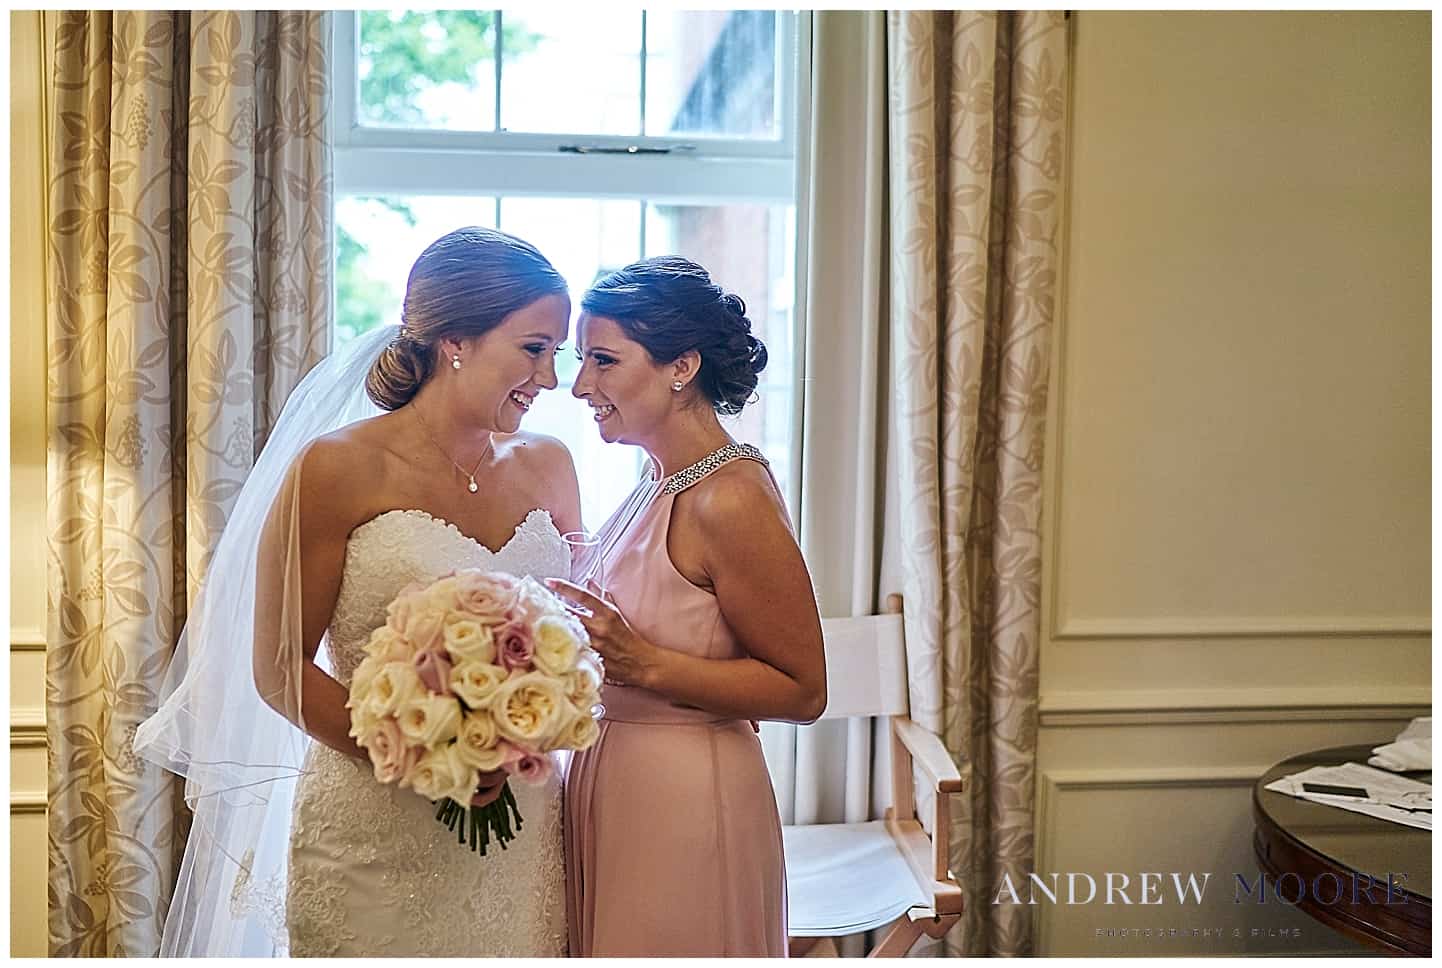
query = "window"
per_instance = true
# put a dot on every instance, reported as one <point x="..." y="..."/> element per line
<point x="599" y="136"/>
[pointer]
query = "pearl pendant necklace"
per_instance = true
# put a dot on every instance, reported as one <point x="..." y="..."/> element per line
<point x="470" y="475"/>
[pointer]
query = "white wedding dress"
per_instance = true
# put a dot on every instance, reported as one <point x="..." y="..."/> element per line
<point x="371" y="871"/>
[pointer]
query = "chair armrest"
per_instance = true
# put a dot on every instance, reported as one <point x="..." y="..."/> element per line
<point x="928" y="753"/>
<point x="922" y="855"/>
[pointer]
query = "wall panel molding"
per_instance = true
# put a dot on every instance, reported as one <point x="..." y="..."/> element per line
<point x="1229" y="706"/>
<point x="1071" y="628"/>
<point x="1051" y="784"/>
<point x="27" y="640"/>
<point x="27" y="728"/>
<point x="31" y="802"/>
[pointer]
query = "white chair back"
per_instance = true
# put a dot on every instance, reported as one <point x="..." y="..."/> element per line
<point x="865" y="666"/>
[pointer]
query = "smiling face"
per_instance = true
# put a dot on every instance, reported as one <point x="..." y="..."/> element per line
<point x="503" y="369"/>
<point x="629" y="392"/>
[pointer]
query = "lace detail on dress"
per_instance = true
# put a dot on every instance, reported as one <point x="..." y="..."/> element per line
<point x="371" y="870"/>
<point x="415" y="546"/>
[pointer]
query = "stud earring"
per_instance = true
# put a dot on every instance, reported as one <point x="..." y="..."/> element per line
<point x="678" y="386"/>
<point x="455" y="361"/>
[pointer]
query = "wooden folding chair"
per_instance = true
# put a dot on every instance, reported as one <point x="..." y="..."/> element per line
<point x="847" y="878"/>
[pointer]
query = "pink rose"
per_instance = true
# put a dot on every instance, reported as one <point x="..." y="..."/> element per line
<point x="514" y="647"/>
<point x="391" y="756"/>
<point x="434" y="669"/>
<point x="531" y="768"/>
<point x="484" y="596"/>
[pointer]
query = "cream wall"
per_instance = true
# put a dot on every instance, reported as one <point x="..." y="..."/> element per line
<point x="1238" y="475"/>
<point x="27" y="491"/>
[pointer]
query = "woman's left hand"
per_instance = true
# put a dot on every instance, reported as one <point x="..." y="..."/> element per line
<point x="628" y="657"/>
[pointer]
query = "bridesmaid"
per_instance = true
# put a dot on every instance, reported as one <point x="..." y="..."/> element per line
<point x="673" y="841"/>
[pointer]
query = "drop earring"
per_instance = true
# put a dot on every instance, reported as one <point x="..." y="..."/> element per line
<point x="455" y="361"/>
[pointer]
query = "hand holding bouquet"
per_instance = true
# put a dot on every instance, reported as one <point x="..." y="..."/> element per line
<point x="474" y="673"/>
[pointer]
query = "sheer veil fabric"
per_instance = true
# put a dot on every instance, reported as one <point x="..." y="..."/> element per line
<point x="240" y="751"/>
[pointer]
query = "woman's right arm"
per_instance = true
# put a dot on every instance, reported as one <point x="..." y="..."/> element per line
<point x="298" y="575"/>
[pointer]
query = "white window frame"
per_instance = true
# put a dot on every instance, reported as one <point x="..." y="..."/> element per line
<point x="410" y="161"/>
<point x="698" y="171"/>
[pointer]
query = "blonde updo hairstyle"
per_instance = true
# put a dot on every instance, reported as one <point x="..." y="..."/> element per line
<point x="463" y="285"/>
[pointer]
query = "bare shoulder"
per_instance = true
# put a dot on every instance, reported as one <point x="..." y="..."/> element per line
<point x="538" y="453"/>
<point x="737" y="497"/>
<point x="342" y="469"/>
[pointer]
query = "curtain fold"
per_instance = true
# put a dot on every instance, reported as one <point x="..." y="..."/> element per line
<point x="932" y="206"/>
<point x="189" y="291"/>
<point x="977" y="115"/>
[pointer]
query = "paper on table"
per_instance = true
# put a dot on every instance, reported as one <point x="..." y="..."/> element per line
<point x="1386" y="792"/>
<point x="1411" y="750"/>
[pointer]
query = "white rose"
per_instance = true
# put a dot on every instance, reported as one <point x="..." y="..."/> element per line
<point x="394" y="685"/>
<point x="556" y="647"/>
<point x="427" y="720"/>
<point x="441" y="773"/>
<point x="470" y="641"/>
<point x="528" y="708"/>
<point x="476" y="682"/>
<point x="478" y="743"/>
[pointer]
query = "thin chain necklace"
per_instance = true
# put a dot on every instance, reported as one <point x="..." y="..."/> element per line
<point x="471" y="476"/>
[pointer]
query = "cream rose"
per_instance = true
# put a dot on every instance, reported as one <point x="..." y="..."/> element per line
<point x="387" y="645"/>
<point x="582" y="731"/>
<point x="441" y="773"/>
<point x="425" y="628"/>
<point x="476" y="682"/>
<point x="469" y="641"/>
<point x="528" y="708"/>
<point x="363" y="723"/>
<point x="362" y="678"/>
<point x="556" y="647"/>
<point x="427" y="720"/>
<point x="583" y="685"/>
<point x="395" y="684"/>
<point x="478" y="743"/>
<point x="399" y="610"/>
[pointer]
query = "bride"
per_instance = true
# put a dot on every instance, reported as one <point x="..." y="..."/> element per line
<point x="295" y="848"/>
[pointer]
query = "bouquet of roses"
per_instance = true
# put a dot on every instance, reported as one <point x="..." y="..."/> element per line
<point x="476" y="672"/>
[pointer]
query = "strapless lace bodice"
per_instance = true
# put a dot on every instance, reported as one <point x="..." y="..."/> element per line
<point x="371" y="871"/>
<point x="393" y="549"/>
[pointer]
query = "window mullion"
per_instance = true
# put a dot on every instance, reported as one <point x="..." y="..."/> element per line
<point x="498" y="48"/>
<point x="644" y="207"/>
<point x="642" y="131"/>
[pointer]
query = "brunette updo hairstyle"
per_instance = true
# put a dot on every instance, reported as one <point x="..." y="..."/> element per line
<point x="670" y="305"/>
<point x="464" y="284"/>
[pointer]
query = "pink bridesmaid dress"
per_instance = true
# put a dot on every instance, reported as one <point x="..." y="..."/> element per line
<point x="673" y="841"/>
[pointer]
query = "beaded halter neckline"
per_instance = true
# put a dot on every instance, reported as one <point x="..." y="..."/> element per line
<point x="684" y="478"/>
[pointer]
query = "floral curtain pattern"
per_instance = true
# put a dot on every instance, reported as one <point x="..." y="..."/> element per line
<point x="189" y="258"/>
<point x="977" y="121"/>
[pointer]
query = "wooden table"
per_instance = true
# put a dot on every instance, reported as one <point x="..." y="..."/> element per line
<point x="1313" y="839"/>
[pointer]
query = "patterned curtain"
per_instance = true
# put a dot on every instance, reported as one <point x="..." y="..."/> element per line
<point x="977" y="121"/>
<point x="190" y="263"/>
